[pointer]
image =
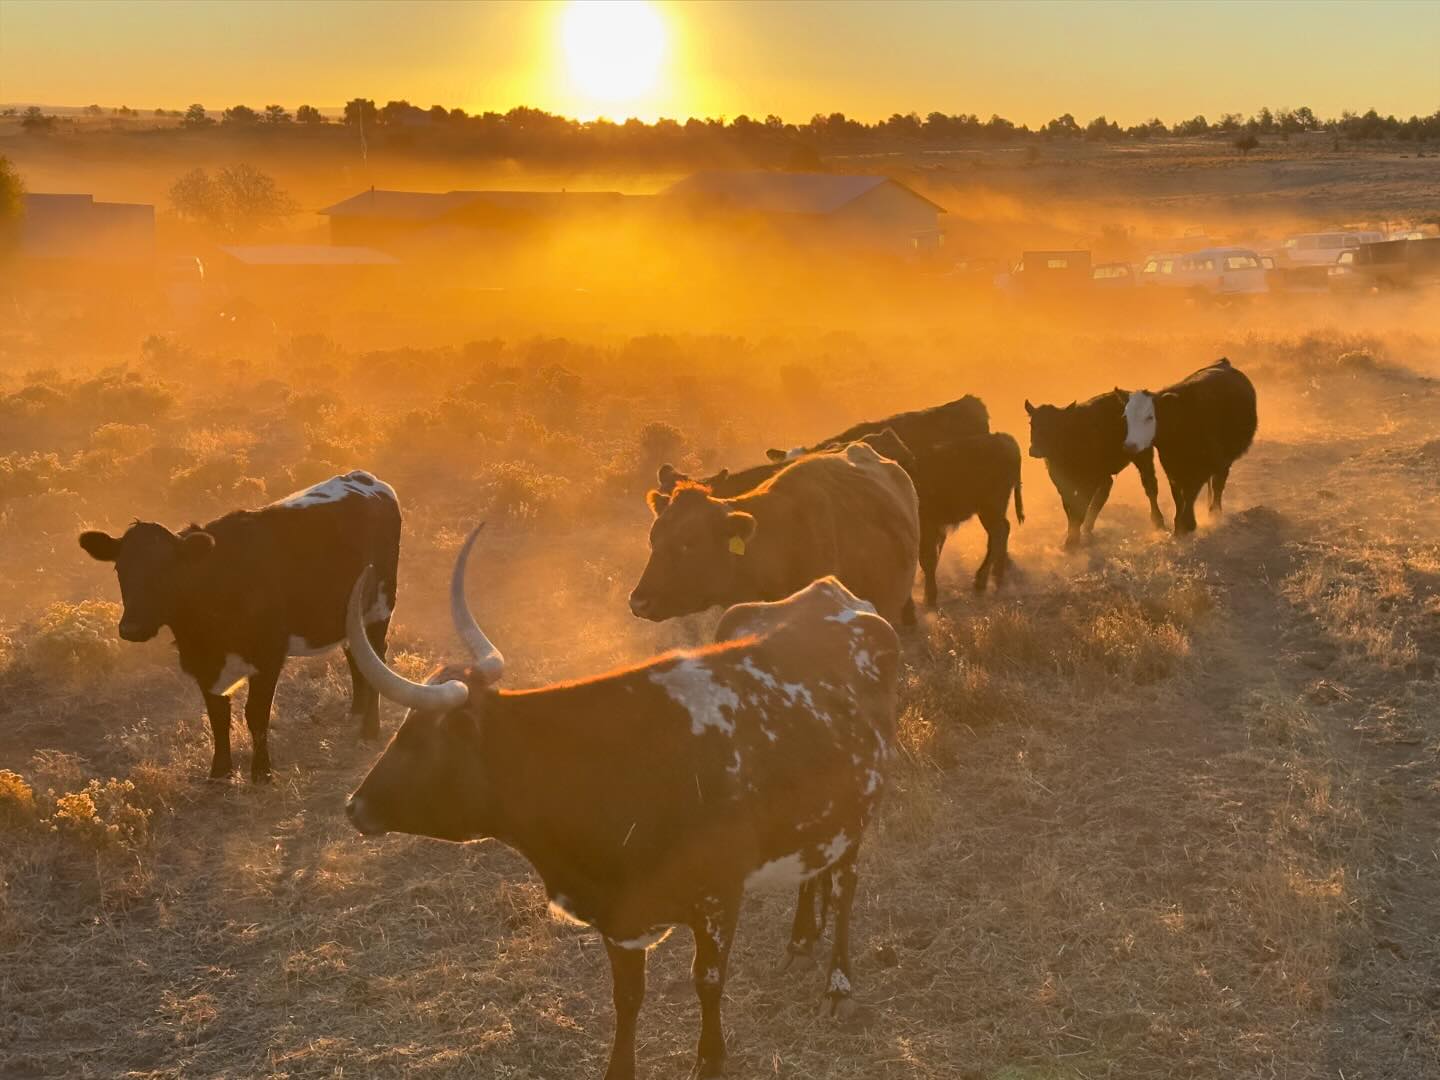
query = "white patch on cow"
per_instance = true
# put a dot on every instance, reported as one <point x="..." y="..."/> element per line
<point x="839" y="984"/>
<point x="235" y="672"/>
<point x="560" y="908"/>
<point x="648" y="940"/>
<point x="872" y="782"/>
<point x="786" y="872"/>
<point x="847" y="615"/>
<point x="794" y="452"/>
<point x="1139" y="421"/>
<point x="835" y="848"/>
<point x="692" y="684"/>
<point x="338" y="487"/>
<point x="300" y="647"/>
<point x="764" y="678"/>
<point x="865" y="663"/>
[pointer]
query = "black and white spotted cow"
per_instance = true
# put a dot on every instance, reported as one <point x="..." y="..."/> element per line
<point x="250" y="589"/>
<point x="656" y="796"/>
<point x="1200" y="427"/>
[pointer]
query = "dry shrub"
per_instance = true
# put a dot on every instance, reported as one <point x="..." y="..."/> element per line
<point x="74" y="640"/>
<point x="518" y="491"/>
<point x="128" y="439"/>
<point x="213" y="479"/>
<point x="30" y="474"/>
<point x="17" y="801"/>
<point x="103" y="816"/>
<point x="1124" y="641"/>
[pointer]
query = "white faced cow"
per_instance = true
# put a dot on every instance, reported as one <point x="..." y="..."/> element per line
<point x="655" y="796"/>
<point x="1200" y="427"/>
<point x="254" y="587"/>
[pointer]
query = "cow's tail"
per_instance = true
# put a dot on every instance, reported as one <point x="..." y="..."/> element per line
<point x="1012" y="459"/>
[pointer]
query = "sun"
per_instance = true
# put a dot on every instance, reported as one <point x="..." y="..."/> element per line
<point x="613" y="49"/>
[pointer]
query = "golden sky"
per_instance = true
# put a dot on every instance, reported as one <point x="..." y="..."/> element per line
<point x="1028" y="61"/>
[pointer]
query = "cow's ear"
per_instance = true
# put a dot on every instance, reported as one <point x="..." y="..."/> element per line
<point x="665" y="476"/>
<point x="196" y="545"/>
<point x="739" y="525"/>
<point x="1029" y="408"/>
<point x="776" y="455"/>
<point x="100" y="546"/>
<point x="1071" y="405"/>
<point x="658" y="501"/>
<point x="719" y="478"/>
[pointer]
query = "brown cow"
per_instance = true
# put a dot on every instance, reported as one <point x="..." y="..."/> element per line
<point x="852" y="514"/>
<point x="659" y="795"/>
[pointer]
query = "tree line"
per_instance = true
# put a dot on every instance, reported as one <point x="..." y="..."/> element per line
<point x="832" y="129"/>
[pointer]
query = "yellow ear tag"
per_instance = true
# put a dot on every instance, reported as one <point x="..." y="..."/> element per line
<point x="737" y="546"/>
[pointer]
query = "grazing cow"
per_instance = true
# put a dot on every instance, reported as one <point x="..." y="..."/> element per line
<point x="254" y="587"/>
<point x="850" y="513"/>
<point x="1084" y="447"/>
<point x="1200" y="427"/>
<point x="654" y="796"/>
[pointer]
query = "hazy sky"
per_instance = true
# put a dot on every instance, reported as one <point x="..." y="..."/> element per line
<point x="1028" y="61"/>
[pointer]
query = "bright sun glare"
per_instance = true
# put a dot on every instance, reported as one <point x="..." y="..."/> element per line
<point x="613" y="49"/>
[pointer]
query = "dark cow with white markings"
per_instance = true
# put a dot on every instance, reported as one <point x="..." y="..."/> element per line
<point x="655" y="796"/>
<point x="1083" y="447"/>
<point x="250" y="589"/>
<point x="1200" y="427"/>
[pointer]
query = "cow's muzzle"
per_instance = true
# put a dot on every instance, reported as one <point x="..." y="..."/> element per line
<point x="133" y="631"/>
<point x="1035" y="453"/>
<point x="356" y="811"/>
<point x="643" y="608"/>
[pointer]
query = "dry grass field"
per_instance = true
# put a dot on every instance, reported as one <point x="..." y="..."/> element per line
<point x="1163" y="809"/>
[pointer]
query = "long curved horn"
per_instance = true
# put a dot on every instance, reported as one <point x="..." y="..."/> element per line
<point x="391" y="684"/>
<point x="487" y="657"/>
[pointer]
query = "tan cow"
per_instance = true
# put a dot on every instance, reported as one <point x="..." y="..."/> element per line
<point x="852" y="514"/>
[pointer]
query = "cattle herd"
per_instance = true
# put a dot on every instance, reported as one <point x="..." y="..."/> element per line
<point x="654" y="796"/>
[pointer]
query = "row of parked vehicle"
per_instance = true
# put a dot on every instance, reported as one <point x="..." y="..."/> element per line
<point x="1355" y="261"/>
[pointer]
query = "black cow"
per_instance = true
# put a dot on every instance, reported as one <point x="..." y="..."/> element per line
<point x="1084" y="447"/>
<point x="658" y="795"/>
<point x="920" y="430"/>
<point x="254" y="587"/>
<point x="1200" y="426"/>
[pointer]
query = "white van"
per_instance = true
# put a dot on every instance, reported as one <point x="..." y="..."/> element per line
<point x="1321" y="249"/>
<point x="1220" y="271"/>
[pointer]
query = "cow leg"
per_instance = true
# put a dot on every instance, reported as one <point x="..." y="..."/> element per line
<point x="1145" y="465"/>
<point x="1097" y="503"/>
<point x="1217" y="490"/>
<point x="1184" y="507"/>
<point x="714" y="930"/>
<point x="364" y="700"/>
<point x="932" y="538"/>
<point x="803" y="932"/>
<point x="627" y="981"/>
<point x="257" y="719"/>
<point x="997" y="540"/>
<point x="1075" y="503"/>
<point x="218" y="709"/>
<point x="842" y="898"/>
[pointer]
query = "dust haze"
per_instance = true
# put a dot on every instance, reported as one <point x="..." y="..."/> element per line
<point x="1158" y="803"/>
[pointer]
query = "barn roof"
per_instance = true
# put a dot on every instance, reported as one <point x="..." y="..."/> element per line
<point x="784" y="193"/>
<point x="420" y="206"/>
<point x="307" y="255"/>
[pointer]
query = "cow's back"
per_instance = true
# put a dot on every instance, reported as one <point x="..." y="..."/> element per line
<point x="925" y="428"/>
<point x="296" y="561"/>
<point x="853" y="514"/>
<point x="1219" y="400"/>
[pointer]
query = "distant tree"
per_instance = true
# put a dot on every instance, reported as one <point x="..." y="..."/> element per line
<point x="361" y="111"/>
<point x="1101" y="129"/>
<point x="1306" y="119"/>
<point x="439" y="114"/>
<point x="197" y="117"/>
<point x="276" y="114"/>
<point x="35" y="121"/>
<point x="94" y="110"/>
<point x="125" y="110"/>
<point x="240" y="116"/>
<point x="1229" y="122"/>
<point x="1064" y="125"/>
<point x="159" y="112"/>
<point x="1246" y="142"/>
<point x="12" y="205"/>
<point x="397" y="112"/>
<point x="456" y="115"/>
<point x="239" y="200"/>
<point x="1196" y="126"/>
<point x="308" y="114"/>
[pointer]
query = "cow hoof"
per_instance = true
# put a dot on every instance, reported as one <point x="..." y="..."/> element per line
<point x="1071" y="543"/>
<point x="260" y="777"/>
<point x="218" y="777"/>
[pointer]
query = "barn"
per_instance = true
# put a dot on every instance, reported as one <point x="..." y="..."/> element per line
<point x="76" y="228"/>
